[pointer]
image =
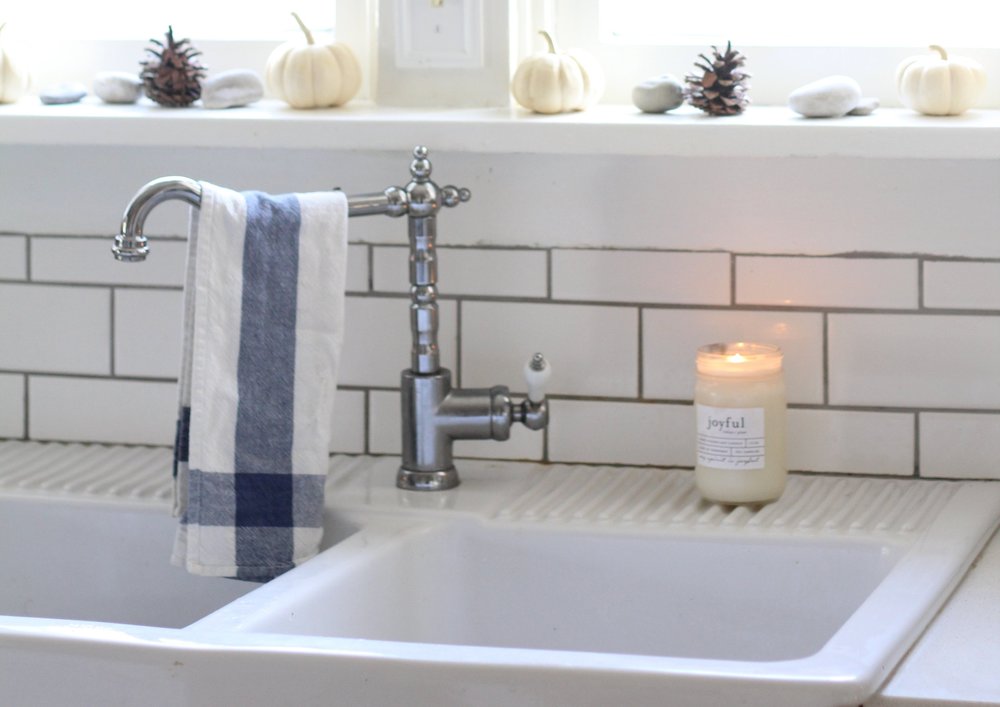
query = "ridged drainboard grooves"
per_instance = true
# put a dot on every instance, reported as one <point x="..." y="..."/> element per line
<point x="658" y="497"/>
<point x="84" y="470"/>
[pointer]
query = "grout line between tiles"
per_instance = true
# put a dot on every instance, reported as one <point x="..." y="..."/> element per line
<point x="27" y="409"/>
<point x="826" y="358"/>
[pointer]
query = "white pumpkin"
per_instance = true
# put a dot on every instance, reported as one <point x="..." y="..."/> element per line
<point x="14" y="79"/>
<point x="313" y="75"/>
<point x="935" y="84"/>
<point x="558" y="82"/>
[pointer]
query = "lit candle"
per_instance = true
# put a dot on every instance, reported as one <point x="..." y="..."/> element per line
<point x="739" y="402"/>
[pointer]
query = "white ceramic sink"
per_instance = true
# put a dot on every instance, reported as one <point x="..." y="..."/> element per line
<point x="99" y="561"/>
<point x="754" y="599"/>
<point x="528" y="584"/>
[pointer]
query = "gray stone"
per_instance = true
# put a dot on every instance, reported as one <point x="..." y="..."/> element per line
<point x="832" y="97"/>
<point x="63" y="93"/>
<point x="867" y="106"/>
<point x="117" y="87"/>
<point x="658" y="95"/>
<point x="230" y="89"/>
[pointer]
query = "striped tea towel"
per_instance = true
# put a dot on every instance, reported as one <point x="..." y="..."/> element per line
<point x="263" y="326"/>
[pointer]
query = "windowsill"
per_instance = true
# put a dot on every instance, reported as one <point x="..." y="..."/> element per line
<point x="614" y="130"/>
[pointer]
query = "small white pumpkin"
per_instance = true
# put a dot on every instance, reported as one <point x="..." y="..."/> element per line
<point x="14" y="79"/>
<point x="313" y="75"/>
<point x="935" y="84"/>
<point x="558" y="82"/>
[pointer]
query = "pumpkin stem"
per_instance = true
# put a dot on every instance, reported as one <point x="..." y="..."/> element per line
<point x="305" y="30"/>
<point x="549" y="41"/>
<point x="941" y="51"/>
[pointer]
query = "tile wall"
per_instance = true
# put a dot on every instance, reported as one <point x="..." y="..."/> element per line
<point x="890" y="359"/>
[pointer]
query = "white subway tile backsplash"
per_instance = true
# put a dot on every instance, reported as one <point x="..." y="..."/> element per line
<point x="11" y="406"/>
<point x="13" y="257"/>
<point x="148" y="332"/>
<point x="914" y="360"/>
<point x="55" y="329"/>
<point x="89" y="260"/>
<point x="872" y="283"/>
<point x="593" y="350"/>
<point x="348" y="434"/>
<point x="961" y="285"/>
<point x="357" y="268"/>
<point x="494" y="272"/>
<point x="377" y="341"/>
<point x="101" y="410"/>
<point x="384" y="435"/>
<point x="641" y="276"/>
<point x="853" y="442"/>
<point x="672" y="336"/>
<point x="384" y="422"/>
<point x="960" y="445"/>
<point x="621" y="433"/>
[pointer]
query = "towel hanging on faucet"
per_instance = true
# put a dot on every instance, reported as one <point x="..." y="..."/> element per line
<point x="263" y="327"/>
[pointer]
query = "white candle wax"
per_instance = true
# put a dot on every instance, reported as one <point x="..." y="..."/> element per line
<point x="740" y="410"/>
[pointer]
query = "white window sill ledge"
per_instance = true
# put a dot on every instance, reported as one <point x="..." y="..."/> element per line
<point x="614" y="130"/>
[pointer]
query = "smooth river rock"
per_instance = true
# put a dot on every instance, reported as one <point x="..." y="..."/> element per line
<point x="867" y="106"/>
<point x="118" y="87"/>
<point x="832" y="97"/>
<point x="658" y="95"/>
<point x="63" y="93"/>
<point x="230" y="89"/>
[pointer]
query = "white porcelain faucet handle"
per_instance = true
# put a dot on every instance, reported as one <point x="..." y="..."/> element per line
<point x="537" y="372"/>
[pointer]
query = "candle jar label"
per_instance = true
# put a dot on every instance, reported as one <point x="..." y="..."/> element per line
<point x="730" y="438"/>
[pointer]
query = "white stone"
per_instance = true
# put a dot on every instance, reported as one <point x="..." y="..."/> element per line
<point x="117" y="87"/>
<point x="832" y="97"/>
<point x="658" y="95"/>
<point x="867" y="106"/>
<point x="230" y="89"/>
<point x="63" y="93"/>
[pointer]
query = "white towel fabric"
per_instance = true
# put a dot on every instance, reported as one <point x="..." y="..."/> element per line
<point x="263" y="327"/>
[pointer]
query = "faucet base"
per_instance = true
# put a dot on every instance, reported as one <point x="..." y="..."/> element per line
<point x="441" y="480"/>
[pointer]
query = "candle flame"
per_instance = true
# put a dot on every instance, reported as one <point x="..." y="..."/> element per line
<point x="736" y="358"/>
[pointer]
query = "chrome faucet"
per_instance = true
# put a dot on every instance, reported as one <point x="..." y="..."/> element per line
<point x="434" y="414"/>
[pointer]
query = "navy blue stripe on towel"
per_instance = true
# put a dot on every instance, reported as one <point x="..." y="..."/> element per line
<point x="266" y="367"/>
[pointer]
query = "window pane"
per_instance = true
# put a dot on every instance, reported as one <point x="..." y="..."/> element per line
<point x="197" y="19"/>
<point x="876" y="23"/>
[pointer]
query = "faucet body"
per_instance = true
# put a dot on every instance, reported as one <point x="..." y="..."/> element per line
<point x="434" y="414"/>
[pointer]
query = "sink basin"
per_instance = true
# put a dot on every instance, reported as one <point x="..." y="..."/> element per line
<point x="629" y="582"/>
<point x="526" y="585"/>
<point x="722" y="599"/>
<point x="78" y="544"/>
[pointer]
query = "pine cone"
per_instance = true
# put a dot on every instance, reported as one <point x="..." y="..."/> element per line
<point x="722" y="88"/>
<point x="172" y="76"/>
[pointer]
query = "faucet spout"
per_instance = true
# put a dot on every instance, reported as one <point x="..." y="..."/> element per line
<point x="130" y="244"/>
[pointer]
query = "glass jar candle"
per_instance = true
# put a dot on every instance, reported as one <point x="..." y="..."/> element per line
<point x="739" y="401"/>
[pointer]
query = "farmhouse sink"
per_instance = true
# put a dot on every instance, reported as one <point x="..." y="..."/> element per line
<point x="476" y="585"/>
<point x="79" y="545"/>
<point x="527" y="584"/>
<point x="626" y="574"/>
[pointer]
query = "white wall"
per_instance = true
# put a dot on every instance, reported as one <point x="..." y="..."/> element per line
<point x="616" y="267"/>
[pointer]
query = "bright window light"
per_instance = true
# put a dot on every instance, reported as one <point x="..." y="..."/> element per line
<point x="790" y="23"/>
<point x="197" y="19"/>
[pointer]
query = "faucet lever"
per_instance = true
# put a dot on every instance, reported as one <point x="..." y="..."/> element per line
<point x="533" y="411"/>
<point x="537" y="372"/>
